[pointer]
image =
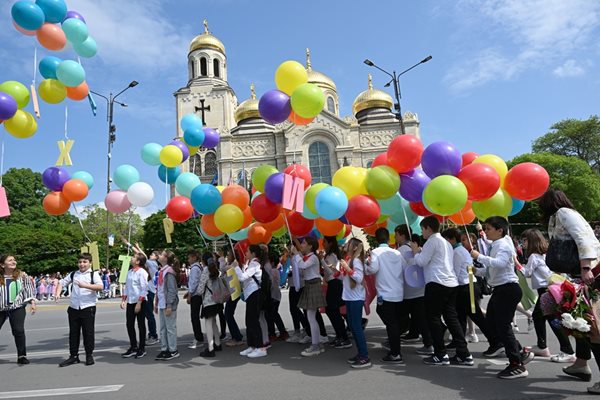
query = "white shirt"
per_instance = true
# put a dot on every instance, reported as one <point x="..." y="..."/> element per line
<point x="252" y="269"/>
<point x="311" y="268"/>
<point x="436" y="261"/>
<point x="537" y="269"/>
<point x="500" y="264"/>
<point x="326" y="262"/>
<point x="567" y="223"/>
<point x="388" y="265"/>
<point x="462" y="260"/>
<point x="296" y="282"/>
<point x="409" y="259"/>
<point x="81" y="297"/>
<point x="358" y="292"/>
<point x="136" y="285"/>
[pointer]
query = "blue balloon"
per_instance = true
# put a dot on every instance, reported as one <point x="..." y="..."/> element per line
<point x="151" y="153"/>
<point x="391" y="205"/>
<point x="48" y="67"/>
<point x="28" y="15"/>
<point x="306" y="213"/>
<point x="206" y="198"/>
<point x="168" y="175"/>
<point x="416" y="226"/>
<point x="75" y="30"/>
<point x="193" y="137"/>
<point x="516" y="207"/>
<point x="255" y="195"/>
<point x="88" y="48"/>
<point x="315" y="233"/>
<point x="190" y="121"/>
<point x="54" y="10"/>
<point x="70" y="73"/>
<point x="404" y="213"/>
<point x="185" y="183"/>
<point x="331" y="203"/>
<point x="126" y="175"/>
<point x="240" y="235"/>
<point x="84" y="176"/>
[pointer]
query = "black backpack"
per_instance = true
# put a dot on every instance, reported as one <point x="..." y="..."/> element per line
<point x="72" y="274"/>
<point x="264" y="288"/>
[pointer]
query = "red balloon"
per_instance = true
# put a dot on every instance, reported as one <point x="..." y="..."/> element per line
<point x="348" y="230"/>
<point x="468" y="158"/>
<point x="419" y="208"/>
<point x="300" y="171"/>
<point x="299" y="226"/>
<point x="298" y="120"/>
<point x="482" y="181"/>
<point x="404" y="153"/>
<point x="180" y="209"/>
<point x="329" y="227"/>
<point x="370" y="230"/>
<point x="240" y="250"/>
<point x="526" y="181"/>
<point x="381" y="159"/>
<point x="263" y="209"/>
<point x="362" y="211"/>
<point x="258" y="234"/>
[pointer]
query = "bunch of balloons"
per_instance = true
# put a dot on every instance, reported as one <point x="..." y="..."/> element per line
<point x="14" y="96"/>
<point x="65" y="189"/>
<point x="41" y="19"/>
<point x="294" y="99"/>
<point x="131" y="190"/>
<point x="62" y="79"/>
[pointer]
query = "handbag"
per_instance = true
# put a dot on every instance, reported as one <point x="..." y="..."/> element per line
<point x="563" y="257"/>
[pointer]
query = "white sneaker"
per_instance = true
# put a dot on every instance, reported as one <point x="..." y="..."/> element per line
<point x="472" y="338"/>
<point x="295" y="338"/>
<point x="311" y="351"/>
<point x="515" y="328"/>
<point x="324" y="339"/>
<point x="305" y="340"/>
<point x="594" y="389"/>
<point x="540" y="352"/>
<point x="247" y="351"/>
<point x="563" y="358"/>
<point x="258" y="352"/>
<point x="193" y="345"/>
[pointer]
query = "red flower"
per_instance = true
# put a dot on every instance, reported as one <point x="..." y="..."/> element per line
<point x="569" y="295"/>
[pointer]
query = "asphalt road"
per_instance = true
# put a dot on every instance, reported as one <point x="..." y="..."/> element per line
<point x="284" y="374"/>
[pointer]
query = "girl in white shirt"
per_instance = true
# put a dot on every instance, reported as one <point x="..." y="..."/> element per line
<point x="210" y="307"/>
<point x="134" y="296"/>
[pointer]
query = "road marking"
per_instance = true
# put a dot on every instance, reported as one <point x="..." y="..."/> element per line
<point x="67" y="327"/>
<point x="39" y="354"/>
<point x="60" y="392"/>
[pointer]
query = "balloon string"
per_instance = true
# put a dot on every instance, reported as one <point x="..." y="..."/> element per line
<point x="130" y="225"/>
<point x="462" y="217"/>
<point x="194" y="164"/>
<point x="166" y="187"/>
<point x="66" y="122"/>
<point x="2" y="159"/>
<point x="201" y="235"/>
<point x="407" y="225"/>
<point x="81" y="224"/>
<point x="34" y="64"/>
<point x="288" y="228"/>
<point x="232" y="249"/>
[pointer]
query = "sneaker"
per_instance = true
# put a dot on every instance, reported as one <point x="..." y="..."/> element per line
<point x="530" y="325"/>
<point x="207" y="353"/>
<point x="258" y="352"/>
<point x="334" y="342"/>
<point x="391" y="359"/>
<point x="194" y="344"/>
<point x="305" y="340"/>
<point x="352" y="360"/>
<point x="223" y="336"/>
<point x="311" y="351"/>
<point x="472" y="338"/>
<point x="594" y="389"/>
<point x="526" y="356"/>
<point x="171" y="355"/>
<point x="324" y="339"/>
<point x="129" y="353"/>
<point x="267" y="345"/>
<point x="583" y="373"/>
<point x="69" y="361"/>
<point x="161" y="356"/>
<point x="540" y="352"/>
<point x="437" y="360"/>
<point x="563" y="358"/>
<point x="234" y="343"/>
<point x="247" y="351"/>
<point x="425" y="351"/>
<point x="409" y="338"/>
<point x="513" y="371"/>
<point x="89" y="360"/>
<point x="458" y="360"/>
<point x="218" y="347"/>
<point x="273" y="338"/>
<point x="294" y="338"/>
<point x="492" y="352"/>
<point x="361" y="362"/>
<point x="22" y="360"/>
<point x="344" y="344"/>
<point x="141" y="353"/>
<point x="152" y="341"/>
<point x="283" y="336"/>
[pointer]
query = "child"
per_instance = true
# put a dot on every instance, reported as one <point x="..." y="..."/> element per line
<point x="82" y="308"/>
<point x="193" y="297"/>
<point x="165" y="305"/>
<point x="231" y="305"/>
<point x="272" y="314"/>
<point x="210" y="308"/>
<point x="134" y="297"/>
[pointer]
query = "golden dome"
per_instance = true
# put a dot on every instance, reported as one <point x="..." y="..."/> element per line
<point x="372" y="98"/>
<point x="319" y="79"/>
<point x="206" y="41"/>
<point x="248" y="108"/>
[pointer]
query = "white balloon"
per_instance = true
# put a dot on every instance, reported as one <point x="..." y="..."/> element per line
<point x="140" y="194"/>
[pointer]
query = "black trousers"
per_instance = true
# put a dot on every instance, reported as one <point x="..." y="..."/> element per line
<point x="395" y="318"/>
<point x="130" y="318"/>
<point x="274" y="319"/>
<point x="440" y="301"/>
<point x="500" y="313"/>
<point x="418" y="319"/>
<point x="253" y="331"/>
<point x="81" y="321"/>
<point x="463" y="309"/>
<point x="539" y="322"/>
<point x="298" y="317"/>
<point x="16" y="318"/>
<point x="195" y="307"/>
<point x="334" y="302"/>
<point x="222" y="321"/>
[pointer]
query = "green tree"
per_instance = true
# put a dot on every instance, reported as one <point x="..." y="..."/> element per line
<point x="573" y="137"/>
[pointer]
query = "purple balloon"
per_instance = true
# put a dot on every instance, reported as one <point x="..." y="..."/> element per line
<point x="8" y="106"/>
<point x="183" y="147"/>
<point x="274" y="187"/>
<point x="414" y="276"/>
<point x="441" y="158"/>
<point x="54" y="178"/>
<point x="412" y="184"/>
<point x="211" y="138"/>
<point x="74" y="14"/>
<point x="274" y="106"/>
<point x="344" y="219"/>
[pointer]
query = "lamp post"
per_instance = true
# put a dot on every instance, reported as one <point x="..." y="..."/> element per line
<point x="396" y="83"/>
<point x="110" y="101"/>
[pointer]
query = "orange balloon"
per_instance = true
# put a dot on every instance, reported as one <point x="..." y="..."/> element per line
<point x="276" y="224"/>
<point x="298" y="120"/>
<point x="236" y="195"/>
<point x="370" y="230"/>
<point x="329" y="227"/>
<point x="51" y="36"/>
<point x="75" y="190"/>
<point x="258" y="234"/>
<point x="55" y="203"/>
<point x="207" y="222"/>
<point x="78" y="93"/>
<point x="247" y="217"/>
<point x="464" y="216"/>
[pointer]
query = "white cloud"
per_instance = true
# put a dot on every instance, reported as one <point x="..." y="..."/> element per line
<point x="569" y="69"/>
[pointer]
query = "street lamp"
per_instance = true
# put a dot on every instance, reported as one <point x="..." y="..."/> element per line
<point x="110" y="101"/>
<point x="396" y="83"/>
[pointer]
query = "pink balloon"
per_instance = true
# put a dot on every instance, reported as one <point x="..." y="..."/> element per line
<point x="117" y="202"/>
<point x="23" y="31"/>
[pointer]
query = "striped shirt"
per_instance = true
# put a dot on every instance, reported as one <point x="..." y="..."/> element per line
<point x="16" y="293"/>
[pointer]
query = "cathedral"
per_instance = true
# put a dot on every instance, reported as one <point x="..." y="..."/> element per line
<point x="247" y="141"/>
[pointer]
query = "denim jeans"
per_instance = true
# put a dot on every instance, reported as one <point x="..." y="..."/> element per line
<point x="168" y="330"/>
<point x="149" y="310"/>
<point x="354" y="314"/>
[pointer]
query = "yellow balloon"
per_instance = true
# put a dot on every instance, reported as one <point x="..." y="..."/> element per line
<point x="193" y="150"/>
<point x="289" y="76"/>
<point x="495" y="162"/>
<point x="220" y="188"/>
<point x="229" y="218"/>
<point x="351" y="180"/>
<point x="171" y="156"/>
<point x="22" y="125"/>
<point x="52" y="91"/>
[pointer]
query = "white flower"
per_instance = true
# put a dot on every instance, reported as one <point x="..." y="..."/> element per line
<point x="567" y="321"/>
<point x="581" y="325"/>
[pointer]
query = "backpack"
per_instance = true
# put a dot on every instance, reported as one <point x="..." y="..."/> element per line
<point x="264" y="287"/>
<point x="72" y="274"/>
<point x="220" y="290"/>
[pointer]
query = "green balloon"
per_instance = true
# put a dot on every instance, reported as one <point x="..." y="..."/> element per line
<point x="382" y="182"/>
<point x="260" y="176"/>
<point x="445" y="195"/>
<point x="499" y="205"/>
<point x="311" y="195"/>
<point x="18" y="91"/>
<point x="308" y="100"/>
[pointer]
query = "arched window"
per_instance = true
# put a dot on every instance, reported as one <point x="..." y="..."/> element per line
<point x="210" y="164"/>
<point x="203" y="67"/>
<point x="330" y="105"/>
<point x="216" y="68"/>
<point x="193" y="69"/>
<point x="242" y="179"/>
<point x="319" y="162"/>
<point x="196" y="164"/>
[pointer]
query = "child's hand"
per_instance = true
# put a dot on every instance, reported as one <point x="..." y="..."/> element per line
<point x="475" y="254"/>
<point x="168" y="311"/>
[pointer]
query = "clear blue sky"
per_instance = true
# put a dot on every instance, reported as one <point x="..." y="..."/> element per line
<point x="502" y="71"/>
